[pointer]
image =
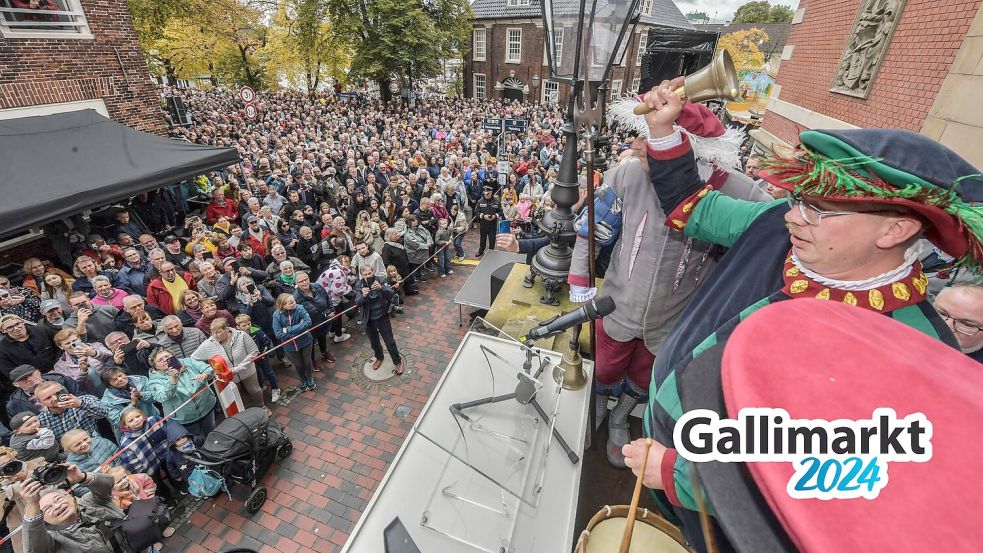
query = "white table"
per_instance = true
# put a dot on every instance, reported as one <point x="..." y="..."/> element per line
<point x="421" y="469"/>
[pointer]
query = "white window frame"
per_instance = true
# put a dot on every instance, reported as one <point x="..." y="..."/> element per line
<point x="508" y="45"/>
<point x="635" y="84"/>
<point x="475" y="56"/>
<point x="558" y="43"/>
<point x="615" y="88"/>
<point x="642" y="39"/>
<point x="514" y="3"/>
<point x="73" y="10"/>
<point x="645" y="7"/>
<point x="484" y="86"/>
<point x="547" y="86"/>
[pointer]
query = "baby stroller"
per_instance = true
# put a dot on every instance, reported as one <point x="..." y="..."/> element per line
<point x="241" y="449"/>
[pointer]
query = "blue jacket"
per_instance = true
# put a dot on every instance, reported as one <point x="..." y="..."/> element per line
<point x="318" y="306"/>
<point x="131" y="279"/>
<point x="175" y="462"/>
<point x="290" y="327"/>
<point x="116" y="403"/>
<point x="101" y="450"/>
<point x="172" y="395"/>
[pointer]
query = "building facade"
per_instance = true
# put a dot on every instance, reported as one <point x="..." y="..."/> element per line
<point x="75" y="54"/>
<point x="910" y="64"/>
<point x="507" y="58"/>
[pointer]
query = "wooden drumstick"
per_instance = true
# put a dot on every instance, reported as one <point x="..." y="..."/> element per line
<point x="633" y="509"/>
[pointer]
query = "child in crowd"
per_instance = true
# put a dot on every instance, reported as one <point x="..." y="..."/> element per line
<point x="130" y="487"/>
<point x="85" y="451"/>
<point x="31" y="440"/>
<point x="396" y="283"/>
<point x="178" y="466"/>
<point x="151" y="441"/>
<point x="263" y="342"/>
<point x="442" y="241"/>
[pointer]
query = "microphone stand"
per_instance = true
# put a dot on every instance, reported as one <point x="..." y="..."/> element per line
<point x="525" y="393"/>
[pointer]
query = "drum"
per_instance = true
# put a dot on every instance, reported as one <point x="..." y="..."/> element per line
<point x="651" y="533"/>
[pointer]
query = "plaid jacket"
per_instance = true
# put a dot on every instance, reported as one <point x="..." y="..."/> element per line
<point x="82" y="417"/>
<point x="149" y="451"/>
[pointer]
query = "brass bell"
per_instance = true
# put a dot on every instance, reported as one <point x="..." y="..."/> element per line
<point x="570" y="372"/>
<point x="717" y="80"/>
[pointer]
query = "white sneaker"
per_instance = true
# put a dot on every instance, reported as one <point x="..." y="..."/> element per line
<point x="275" y="395"/>
<point x="450" y="272"/>
<point x="342" y="338"/>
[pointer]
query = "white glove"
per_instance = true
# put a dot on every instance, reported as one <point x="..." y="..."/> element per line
<point x="581" y="294"/>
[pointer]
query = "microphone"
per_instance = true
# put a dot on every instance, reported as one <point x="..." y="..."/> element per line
<point x="594" y="309"/>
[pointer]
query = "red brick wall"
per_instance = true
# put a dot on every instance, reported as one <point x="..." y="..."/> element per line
<point x="924" y="45"/>
<point x="48" y="71"/>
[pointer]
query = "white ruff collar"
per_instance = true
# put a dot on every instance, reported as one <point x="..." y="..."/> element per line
<point x="894" y="275"/>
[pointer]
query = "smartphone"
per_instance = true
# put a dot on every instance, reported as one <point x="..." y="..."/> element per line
<point x="174" y="363"/>
<point x="504" y="226"/>
<point x="130" y="347"/>
<point x="369" y="282"/>
<point x="236" y="265"/>
<point x="251" y="288"/>
<point x="64" y="397"/>
<point x="78" y="344"/>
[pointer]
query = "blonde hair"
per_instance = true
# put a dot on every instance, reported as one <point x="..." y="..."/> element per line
<point x="64" y="335"/>
<point x="71" y="435"/>
<point x="118" y="473"/>
<point x="281" y="300"/>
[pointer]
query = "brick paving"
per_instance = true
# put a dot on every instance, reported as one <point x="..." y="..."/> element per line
<point x="344" y="438"/>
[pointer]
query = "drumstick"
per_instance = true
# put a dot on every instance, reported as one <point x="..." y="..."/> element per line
<point x="633" y="509"/>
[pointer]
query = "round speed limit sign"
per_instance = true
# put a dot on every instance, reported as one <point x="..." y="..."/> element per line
<point x="247" y="95"/>
<point x="251" y="111"/>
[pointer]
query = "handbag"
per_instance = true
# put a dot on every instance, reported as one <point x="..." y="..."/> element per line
<point x="145" y="522"/>
<point x="204" y="483"/>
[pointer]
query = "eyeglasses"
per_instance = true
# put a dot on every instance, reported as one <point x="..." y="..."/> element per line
<point x="13" y="326"/>
<point x="813" y="215"/>
<point x="962" y="327"/>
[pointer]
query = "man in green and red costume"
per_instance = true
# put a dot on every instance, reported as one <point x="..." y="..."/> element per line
<point x="860" y="201"/>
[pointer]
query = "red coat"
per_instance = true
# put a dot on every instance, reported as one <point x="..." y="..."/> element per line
<point x="230" y="211"/>
<point x="157" y="294"/>
<point x="259" y="247"/>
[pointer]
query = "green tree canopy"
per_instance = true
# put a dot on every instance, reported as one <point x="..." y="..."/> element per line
<point x="760" y="11"/>
<point x="303" y="47"/>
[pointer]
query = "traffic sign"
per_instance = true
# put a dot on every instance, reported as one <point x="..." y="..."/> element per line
<point x="251" y="111"/>
<point x="247" y="95"/>
<point x="515" y="125"/>
<point x="492" y="124"/>
<point x="503" y="167"/>
<point x="394" y="86"/>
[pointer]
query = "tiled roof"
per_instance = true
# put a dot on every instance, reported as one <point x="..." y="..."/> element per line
<point x="666" y="12"/>
<point x="777" y="33"/>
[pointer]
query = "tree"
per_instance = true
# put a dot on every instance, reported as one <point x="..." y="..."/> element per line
<point x="407" y="37"/>
<point x="781" y="14"/>
<point x="758" y="11"/>
<point x="303" y="48"/>
<point x="743" y="48"/>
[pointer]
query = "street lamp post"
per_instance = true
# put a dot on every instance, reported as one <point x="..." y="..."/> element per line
<point x="582" y="41"/>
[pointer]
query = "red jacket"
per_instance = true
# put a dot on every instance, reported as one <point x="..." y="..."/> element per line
<point x="157" y="294"/>
<point x="259" y="246"/>
<point x="230" y="211"/>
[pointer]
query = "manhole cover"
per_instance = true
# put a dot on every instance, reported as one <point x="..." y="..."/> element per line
<point x="365" y="376"/>
<point x="402" y="412"/>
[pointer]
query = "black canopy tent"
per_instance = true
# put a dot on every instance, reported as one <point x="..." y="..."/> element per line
<point x="54" y="166"/>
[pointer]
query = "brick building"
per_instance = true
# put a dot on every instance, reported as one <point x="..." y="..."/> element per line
<point x="75" y="54"/>
<point x="508" y="59"/>
<point x="926" y="75"/>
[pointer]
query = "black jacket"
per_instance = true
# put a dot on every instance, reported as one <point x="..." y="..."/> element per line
<point x="20" y="402"/>
<point x="396" y="255"/>
<point x="38" y="350"/>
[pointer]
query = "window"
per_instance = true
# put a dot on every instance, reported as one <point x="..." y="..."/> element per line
<point x="513" y="3"/>
<point x="642" y="39"/>
<point x="51" y="19"/>
<point x="513" y="46"/>
<point x="478" y="53"/>
<point x="479" y="86"/>
<point x="636" y="83"/>
<point x="646" y="7"/>
<point x="551" y="92"/>
<point x="557" y="48"/>
<point x="615" y="88"/>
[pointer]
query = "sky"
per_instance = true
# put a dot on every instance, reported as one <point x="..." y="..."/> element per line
<point x="723" y="8"/>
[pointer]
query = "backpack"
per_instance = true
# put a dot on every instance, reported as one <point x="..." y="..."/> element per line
<point x="145" y="522"/>
<point x="607" y="218"/>
<point x="204" y="483"/>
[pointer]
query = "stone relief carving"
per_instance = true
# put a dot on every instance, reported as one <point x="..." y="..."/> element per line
<point x="869" y="41"/>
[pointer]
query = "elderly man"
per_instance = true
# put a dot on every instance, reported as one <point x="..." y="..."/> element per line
<point x="164" y="290"/>
<point x="218" y="207"/>
<point x="131" y="354"/>
<point x="92" y="322"/>
<point x="54" y="521"/>
<point x="24" y="344"/>
<point x="279" y="254"/>
<point x="181" y="341"/>
<point x="106" y="294"/>
<point x="63" y="411"/>
<point x="26" y="378"/>
<point x="133" y="306"/>
<point x="54" y="316"/>
<point x="961" y="307"/>
<point x="212" y="284"/>
<point x="148" y="244"/>
<point x="849" y="233"/>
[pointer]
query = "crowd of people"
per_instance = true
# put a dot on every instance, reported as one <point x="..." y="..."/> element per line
<point x="339" y="211"/>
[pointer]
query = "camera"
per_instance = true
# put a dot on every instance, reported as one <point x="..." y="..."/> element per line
<point x="11" y="468"/>
<point x="51" y="474"/>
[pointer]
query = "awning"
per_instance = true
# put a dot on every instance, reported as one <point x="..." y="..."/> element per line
<point x="53" y="166"/>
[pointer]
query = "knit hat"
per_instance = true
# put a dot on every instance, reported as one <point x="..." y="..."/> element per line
<point x="895" y="167"/>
